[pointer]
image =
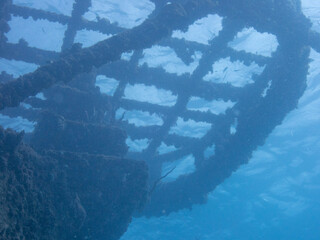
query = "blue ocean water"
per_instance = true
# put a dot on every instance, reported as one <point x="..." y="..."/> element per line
<point x="275" y="196"/>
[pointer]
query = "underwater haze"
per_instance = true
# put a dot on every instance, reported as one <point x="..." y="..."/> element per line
<point x="225" y="111"/>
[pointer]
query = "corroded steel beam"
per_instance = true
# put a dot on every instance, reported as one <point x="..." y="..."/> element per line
<point x="172" y="16"/>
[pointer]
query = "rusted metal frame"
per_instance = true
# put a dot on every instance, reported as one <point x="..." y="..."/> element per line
<point x="173" y="16"/>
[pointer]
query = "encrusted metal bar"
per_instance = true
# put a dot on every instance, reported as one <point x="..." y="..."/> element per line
<point x="173" y="16"/>
<point x="79" y="8"/>
<point x="22" y="52"/>
<point x="36" y="14"/>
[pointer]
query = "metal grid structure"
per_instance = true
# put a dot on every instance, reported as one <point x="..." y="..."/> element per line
<point x="255" y="115"/>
